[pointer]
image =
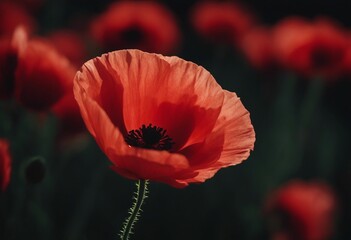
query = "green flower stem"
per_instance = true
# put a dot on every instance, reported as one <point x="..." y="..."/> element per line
<point x="134" y="212"/>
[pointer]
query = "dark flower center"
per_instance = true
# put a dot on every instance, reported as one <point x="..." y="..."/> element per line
<point x="150" y="137"/>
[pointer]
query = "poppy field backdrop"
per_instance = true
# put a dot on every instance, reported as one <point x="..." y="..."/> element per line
<point x="289" y="62"/>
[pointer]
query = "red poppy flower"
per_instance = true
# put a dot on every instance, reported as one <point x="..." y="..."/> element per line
<point x="5" y="164"/>
<point x="70" y="44"/>
<point x="12" y="16"/>
<point x="162" y="118"/>
<point x="257" y="47"/>
<point x="144" y="25"/>
<point x="221" y="21"/>
<point x="311" y="49"/>
<point x="43" y="76"/>
<point x="305" y="211"/>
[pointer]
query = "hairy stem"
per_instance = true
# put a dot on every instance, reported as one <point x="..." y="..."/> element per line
<point x="134" y="212"/>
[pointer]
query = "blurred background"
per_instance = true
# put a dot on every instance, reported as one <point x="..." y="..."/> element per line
<point x="288" y="61"/>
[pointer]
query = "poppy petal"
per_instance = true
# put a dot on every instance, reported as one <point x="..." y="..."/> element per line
<point x="229" y="144"/>
<point x="239" y="138"/>
<point x="182" y="82"/>
<point x="146" y="164"/>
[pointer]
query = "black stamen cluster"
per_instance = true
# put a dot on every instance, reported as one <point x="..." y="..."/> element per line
<point x="150" y="137"/>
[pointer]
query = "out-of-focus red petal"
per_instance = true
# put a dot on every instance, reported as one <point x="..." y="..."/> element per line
<point x="19" y="40"/>
<point x="13" y="15"/>
<point x="257" y="47"/>
<point x="70" y="44"/>
<point x="148" y="26"/>
<point x="42" y="76"/>
<point x="68" y="113"/>
<point x="5" y="164"/>
<point x="221" y="21"/>
<point x="313" y="49"/>
<point x="309" y="206"/>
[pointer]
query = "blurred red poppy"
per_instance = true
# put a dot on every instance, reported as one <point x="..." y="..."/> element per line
<point x="162" y="118"/>
<point x="5" y="164"/>
<point x="311" y="49"/>
<point x="42" y="75"/>
<point x="223" y="22"/>
<point x="304" y="210"/>
<point x="68" y="113"/>
<point x="70" y="44"/>
<point x="257" y="47"/>
<point x="144" y="25"/>
<point x="13" y="15"/>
